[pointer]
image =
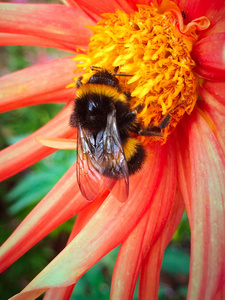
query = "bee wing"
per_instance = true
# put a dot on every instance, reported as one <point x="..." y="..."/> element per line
<point x="116" y="173"/>
<point x="101" y="162"/>
<point x="90" y="181"/>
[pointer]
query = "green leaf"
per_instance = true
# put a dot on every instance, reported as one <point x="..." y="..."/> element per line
<point x="33" y="187"/>
<point x="175" y="261"/>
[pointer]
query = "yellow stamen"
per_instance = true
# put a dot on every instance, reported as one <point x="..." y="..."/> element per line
<point x="150" y="45"/>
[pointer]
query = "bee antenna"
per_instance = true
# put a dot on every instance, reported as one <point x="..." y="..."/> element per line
<point x="123" y="74"/>
<point x="115" y="72"/>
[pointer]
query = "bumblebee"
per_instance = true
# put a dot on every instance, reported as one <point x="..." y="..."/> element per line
<point x="107" y="149"/>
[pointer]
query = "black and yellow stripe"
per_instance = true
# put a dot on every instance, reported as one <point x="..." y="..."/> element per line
<point x="101" y="90"/>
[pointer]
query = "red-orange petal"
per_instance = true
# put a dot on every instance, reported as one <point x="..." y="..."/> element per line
<point x="62" y="293"/>
<point x="26" y="152"/>
<point x="145" y="2"/>
<point x="86" y="214"/>
<point x="127" y="265"/>
<point x="215" y="110"/>
<point x="149" y="280"/>
<point x="207" y="210"/>
<point x="134" y="250"/>
<point x="214" y="10"/>
<point x="150" y="272"/>
<point x="56" y="143"/>
<point x="10" y="39"/>
<point x="60" y="204"/>
<point x="217" y="28"/>
<point x="97" y="8"/>
<point x="42" y="83"/>
<point x="184" y="166"/>
<point x="208" y="54"/>
<point x="70" y="3"/>
<point x="56" y="23"/>
<point x="216" y="89"/>
<point x="106" y="229"/>
<point x="220" y="295"/>
<point x="82" y="219"/>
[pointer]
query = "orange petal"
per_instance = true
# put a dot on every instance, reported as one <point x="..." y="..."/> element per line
<point x="62" y="293"/>
<point x="149" y="280"/>
<point x="201" y="23"/>
<point x="40" y="20"/>
<point x="97" y="8"/>
<point x="207" y="210"/>
<point x="150" y="273"/>
<point x="86" y="214"/>
<point x="214" y="88"/>
<point x="208" y="54"/>
<point x="127" y="265"/>
<point x="42" y="83"/>
<point x="60" y="204"/>
<point x="68" y="144"/>
<point x="217" y="28"/>
<point x="213" y="106"/>
<point x="220" y="295"/>
<point x="26" y="152"/>
<point x="184" y="166"/>
<point x="106" y="229"/>
<point x="134" y="250"/>
<point x="213" y="10"/>
<point x="82" y="219"/>
<point x="8" y="39"/>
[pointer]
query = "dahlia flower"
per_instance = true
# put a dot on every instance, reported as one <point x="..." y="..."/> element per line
<point x="175" y="54"/>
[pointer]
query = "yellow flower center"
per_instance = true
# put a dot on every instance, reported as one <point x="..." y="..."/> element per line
<point x="150" y="45"/>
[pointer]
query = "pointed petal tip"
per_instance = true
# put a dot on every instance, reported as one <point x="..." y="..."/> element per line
<point x="57" y="143"/>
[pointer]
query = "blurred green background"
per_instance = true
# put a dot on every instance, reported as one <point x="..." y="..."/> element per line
<point x="23" y="191"/>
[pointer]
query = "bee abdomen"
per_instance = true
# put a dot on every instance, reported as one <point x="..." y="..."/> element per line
<point x="134" y="153"/>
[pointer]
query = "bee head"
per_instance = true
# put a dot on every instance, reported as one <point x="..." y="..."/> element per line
<point x="91" y="111"/>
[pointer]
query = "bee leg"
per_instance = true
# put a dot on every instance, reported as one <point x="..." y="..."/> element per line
<point x="128" y="120"/>
<point x="139" y="108"/>
<point x="131" y="116"/>
<point x="128" y="95"/>
<point x="156" y="130"/>
<point x="150" y="131"/>
<point x="79" y="83"/>
<point x="168" y="117"/>
<point x="165" y="121"/>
